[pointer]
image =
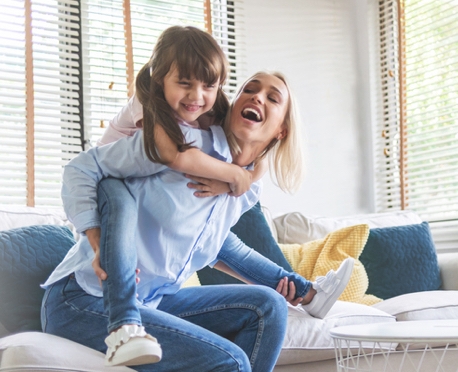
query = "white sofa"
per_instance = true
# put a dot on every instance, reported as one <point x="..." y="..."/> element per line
<point x="307" y="346"/>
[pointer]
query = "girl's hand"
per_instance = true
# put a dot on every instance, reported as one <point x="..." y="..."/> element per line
<point x="206" y="187"/>
<point x="288" y="291"/>
<point x="93" y="235"/>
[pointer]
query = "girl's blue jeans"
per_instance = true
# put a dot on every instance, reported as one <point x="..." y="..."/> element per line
<point x="206" y="328"/>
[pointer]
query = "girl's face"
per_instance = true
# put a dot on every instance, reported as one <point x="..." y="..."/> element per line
<point x="189" y="98"/>
<point x="259" y="111"/>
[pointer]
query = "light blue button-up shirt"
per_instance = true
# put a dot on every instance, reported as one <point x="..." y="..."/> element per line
<point x="177" y="233"/>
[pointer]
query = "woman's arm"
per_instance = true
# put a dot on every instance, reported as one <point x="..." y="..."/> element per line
<point x="121" y="159"/>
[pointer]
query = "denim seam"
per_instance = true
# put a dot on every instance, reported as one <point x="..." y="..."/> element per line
<point x="302" y="293"/>
<point x="190" y="335"/>
<point x="77" y="308"/>
<point x="260" y="315"/>
<point x="44" y="317"/>
<point x="241" y="268"/>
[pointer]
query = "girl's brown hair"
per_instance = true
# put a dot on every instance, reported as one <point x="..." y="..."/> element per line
<point x="196" y="55"/>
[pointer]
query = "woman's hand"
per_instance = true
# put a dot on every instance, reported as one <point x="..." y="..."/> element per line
<point x="206" y="187"/>
<point x="288" y="291"/>
<point x="93" y="235"/>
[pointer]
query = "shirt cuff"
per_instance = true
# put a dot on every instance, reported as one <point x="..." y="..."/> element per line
<point x="86" y="220"/>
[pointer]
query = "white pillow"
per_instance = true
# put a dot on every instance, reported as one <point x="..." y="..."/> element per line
<point x="295" y="228"/>
<point x="429" y="305"/>
<point x="12" y="217"/>
<point x="35" y="351"/>
<point x="308" y="339"/>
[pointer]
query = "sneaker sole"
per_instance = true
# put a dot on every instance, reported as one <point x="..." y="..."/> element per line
<point x="136" y="354"/>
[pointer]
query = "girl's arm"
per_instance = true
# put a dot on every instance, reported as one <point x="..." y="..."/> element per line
<point x="206" y="187"/>
<point x="202" y="166"/>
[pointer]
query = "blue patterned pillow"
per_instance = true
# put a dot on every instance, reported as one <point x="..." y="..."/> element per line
<point x="252" y="229"/>
<point x="400" y="260"/>
<point x="27" y="256"/>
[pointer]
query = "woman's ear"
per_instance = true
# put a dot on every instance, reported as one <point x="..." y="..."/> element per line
<point x="282" y="134"/>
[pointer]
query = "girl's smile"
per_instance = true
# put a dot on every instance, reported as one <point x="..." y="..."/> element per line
<point x="189" y="98"/>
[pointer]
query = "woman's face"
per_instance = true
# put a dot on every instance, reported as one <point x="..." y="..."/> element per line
<point x="258" y="113"/>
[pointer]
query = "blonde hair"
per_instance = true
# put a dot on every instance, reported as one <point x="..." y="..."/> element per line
<point x="285" y="155"/>
<point x="195" y="54"/>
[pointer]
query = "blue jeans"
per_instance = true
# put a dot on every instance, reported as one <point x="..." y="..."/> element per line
<point x="214" y="328"/>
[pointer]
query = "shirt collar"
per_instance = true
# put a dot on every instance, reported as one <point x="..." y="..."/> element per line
<point x="220" y="144"/>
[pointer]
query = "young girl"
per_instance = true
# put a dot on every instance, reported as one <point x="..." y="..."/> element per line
<point x="180" y="85"/>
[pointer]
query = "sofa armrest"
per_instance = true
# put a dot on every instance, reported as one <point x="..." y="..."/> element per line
<point x="448" y="264"/>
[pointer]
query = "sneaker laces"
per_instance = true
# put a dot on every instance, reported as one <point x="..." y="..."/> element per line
<point x="326" y="283"/>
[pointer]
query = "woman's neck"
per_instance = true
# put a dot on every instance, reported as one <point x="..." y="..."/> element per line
<point x="246" y="156"/>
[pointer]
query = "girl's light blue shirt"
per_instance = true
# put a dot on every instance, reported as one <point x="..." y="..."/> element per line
<point x="177" y="233"/>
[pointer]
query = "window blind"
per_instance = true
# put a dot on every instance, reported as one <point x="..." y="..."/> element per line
<point x="417" y="151"/>
<point x="44" y="96"/>
<point x="108" y="79"/>
<point x="39" y="98"/>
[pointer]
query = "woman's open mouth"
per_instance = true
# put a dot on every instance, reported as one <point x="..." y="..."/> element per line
<point x="251" y="114"/>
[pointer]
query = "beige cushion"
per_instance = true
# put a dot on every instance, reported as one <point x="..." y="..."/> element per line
<point x="430" y="305"/>
<point x="307" y="339"/>
<point x="294" y="227"/>
<point x="35" y="351"/>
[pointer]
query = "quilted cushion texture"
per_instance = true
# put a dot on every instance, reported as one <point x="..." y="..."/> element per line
<point x="400" y="260"/>
<point x="27" y="256"/>
<point x="317" y="257"/>
<point x="252" y="229"/>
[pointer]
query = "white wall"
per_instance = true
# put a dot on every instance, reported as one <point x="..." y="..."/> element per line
<point x="321" y="46"/>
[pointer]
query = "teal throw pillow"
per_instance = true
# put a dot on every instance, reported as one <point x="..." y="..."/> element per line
<point x="400" y="260"/>
<point x="28" y="255"/>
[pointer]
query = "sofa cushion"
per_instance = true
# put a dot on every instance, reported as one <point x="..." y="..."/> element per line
<point x="27" y="256"/>
<point x="317" y="257"/>
<point x="308" y="339"/>
<point x="294" y="227"/>
<point x="400" y="260"/>
<point x="35" y="351"/>
<point x="252" y="229"/>
<point x="12" y="217"/>
<point x="429" y="305"/>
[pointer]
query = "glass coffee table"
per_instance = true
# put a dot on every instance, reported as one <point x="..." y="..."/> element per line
<point x="413" y="346"/>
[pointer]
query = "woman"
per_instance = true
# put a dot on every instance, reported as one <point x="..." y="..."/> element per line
<point x="211" y="328"/>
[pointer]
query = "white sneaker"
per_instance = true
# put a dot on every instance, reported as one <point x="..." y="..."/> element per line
<point x="130" y="345"/>
<point x="329" y="288"/>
